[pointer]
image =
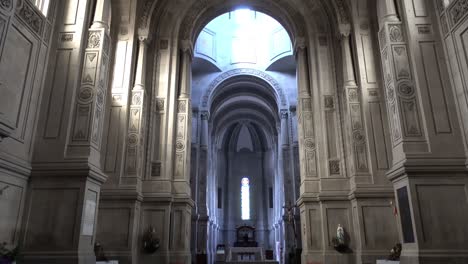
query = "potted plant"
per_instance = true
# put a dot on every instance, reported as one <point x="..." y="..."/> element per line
<point x="7" y="255"/>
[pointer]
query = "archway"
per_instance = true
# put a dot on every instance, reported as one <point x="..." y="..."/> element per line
<point x="242" y="141"/>
<point x="313" y="83"/>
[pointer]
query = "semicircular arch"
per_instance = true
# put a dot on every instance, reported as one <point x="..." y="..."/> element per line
<point x="188" y="21"/>
<point x="217" y="83"/>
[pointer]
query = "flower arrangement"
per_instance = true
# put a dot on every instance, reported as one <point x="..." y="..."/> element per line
<point x="7" y="255"/>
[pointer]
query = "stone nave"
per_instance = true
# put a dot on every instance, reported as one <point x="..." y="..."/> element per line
<point x="188" y="120"/>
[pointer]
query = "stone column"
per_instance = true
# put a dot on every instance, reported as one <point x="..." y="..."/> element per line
<point x="202" y="188"/>
<point x="183" y="123"/>
<point x="66" y="177"/>
<point x="284" y="156"/>
<point x="288" y="181"/>
<point x="307" y="146"/>
<point x="371" y="198"/>
<point x="120" y="206"/>
<point x="307" y="152"/>
<point x="134" y="154"/>
<point x="87" y="129"/>
<point x="358" y="160"/>
<point x="427" y="174"/>
<point x="180" y="250"/>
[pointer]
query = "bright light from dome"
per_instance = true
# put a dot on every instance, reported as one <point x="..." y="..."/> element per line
<point x="243" y="16"/>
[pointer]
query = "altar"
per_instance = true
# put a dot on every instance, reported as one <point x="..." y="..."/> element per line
<point x="246" y="248"/>
<point x="246" y="254"/>
<point x="251" y="255"/>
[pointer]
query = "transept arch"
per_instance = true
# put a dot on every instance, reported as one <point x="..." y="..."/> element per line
<point x="178" y="32"/>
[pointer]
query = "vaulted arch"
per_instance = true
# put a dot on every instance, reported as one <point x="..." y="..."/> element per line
<point x="246" y="77"/>
<point x="190" y="18"/>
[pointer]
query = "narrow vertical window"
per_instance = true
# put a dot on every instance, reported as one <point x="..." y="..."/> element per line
<point x="245" y="198"/>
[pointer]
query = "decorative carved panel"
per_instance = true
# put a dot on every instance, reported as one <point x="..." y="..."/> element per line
<point x="31" y="17"/>
<point x="403" y="111"/>
<point x="458" y="11"/>
<point x="92" y="93"/>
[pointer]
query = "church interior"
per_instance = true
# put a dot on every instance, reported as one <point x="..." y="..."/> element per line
<point x="235" y="131"/>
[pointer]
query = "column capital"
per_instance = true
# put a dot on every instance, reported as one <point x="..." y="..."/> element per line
<point x="344" y="34"/>
<point x="344" y="31"/>
<point x="299" y="44"/>
<point x="284" y="114"/>
<point x="187" y="47"/>
<point x="204" y="115"/>
<point x="102" y="15"/>
<point x="143" y="40"/>
<point x="387" y="11"/>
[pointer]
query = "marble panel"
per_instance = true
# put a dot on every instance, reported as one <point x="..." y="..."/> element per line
<point x="379" y="225"/>
<point x="53" y="123"/>
<point x="437" y="98"/>
<point x="11" y="198"/>
<point x="45" y="226"/>
<point x="16" y="68"/>
<point x="113" y="231"/>
<point x="443" y="226"/>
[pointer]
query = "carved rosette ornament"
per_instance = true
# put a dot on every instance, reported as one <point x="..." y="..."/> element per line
<point x="6" y="4"/>
<point x="94" y="39"/>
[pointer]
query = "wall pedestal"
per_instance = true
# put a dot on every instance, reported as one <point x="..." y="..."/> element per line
<point x="117" y="230"/>
<point x="375" y="225"/>
<point x="433" y="209"/>
<point x="61" y="216"/>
